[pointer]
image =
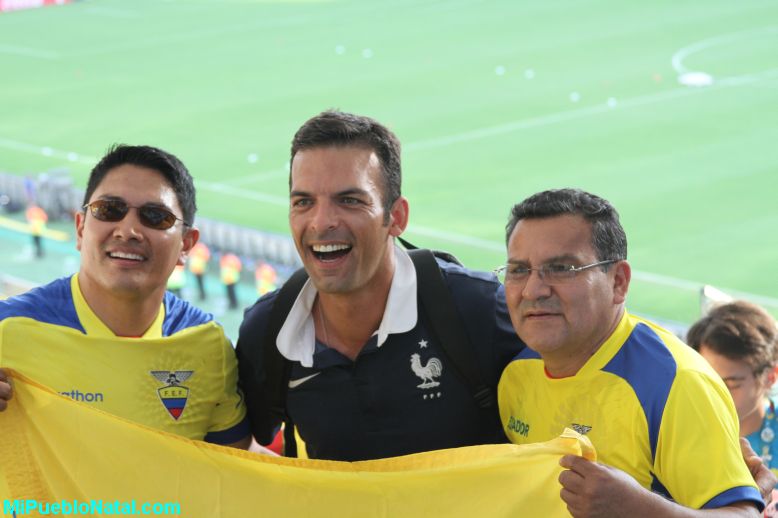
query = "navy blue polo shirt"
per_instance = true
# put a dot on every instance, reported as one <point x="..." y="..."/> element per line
<point x="400" y="398"/>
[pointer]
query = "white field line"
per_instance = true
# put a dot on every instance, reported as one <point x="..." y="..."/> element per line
<point x="28" y="52"/>
<point x="272" y="199"/>
<point x="683" y="53"/>
<point x="528" y="124"/>
<point x="45" y="151"/>
<point x="757" y="77"/>
<point x="553" y="118"/>
<point x="256" y="177"/>
<point x="684" y="284"/>
<point x="518" y="125"/>
<point x="182" y="37"/>
<point x="453" y="237"/>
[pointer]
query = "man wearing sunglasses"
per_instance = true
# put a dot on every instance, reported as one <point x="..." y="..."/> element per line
<point x="110" y="335"/>
<point x="657" y="414"/>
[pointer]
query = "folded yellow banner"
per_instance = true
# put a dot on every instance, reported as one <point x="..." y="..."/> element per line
<point x="54" y="451"/>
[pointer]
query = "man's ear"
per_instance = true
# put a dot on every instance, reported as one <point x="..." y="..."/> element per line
<point x="190" y="239"/>
<point x="398" y="217"/>
<point x="80" y="219"/>
<point x="622" y="273"/>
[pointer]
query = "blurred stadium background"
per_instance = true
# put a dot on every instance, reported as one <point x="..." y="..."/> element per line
<point x="666" y="108"/>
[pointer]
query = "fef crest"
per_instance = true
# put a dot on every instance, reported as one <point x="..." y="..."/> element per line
<point x="173" y="395"/>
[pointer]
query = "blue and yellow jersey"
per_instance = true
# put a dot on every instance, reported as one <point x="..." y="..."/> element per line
<point x="180" y="377"/>
<point x="651" y="406"/>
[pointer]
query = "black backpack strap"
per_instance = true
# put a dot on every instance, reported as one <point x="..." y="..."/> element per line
<point x="407" y="244"/>
<point x="447" y="326"/>
<point x="446" y="256"/>
<point x="276" y="367"/>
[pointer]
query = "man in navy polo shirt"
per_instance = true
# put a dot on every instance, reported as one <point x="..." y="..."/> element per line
<point x="368" y="380"/>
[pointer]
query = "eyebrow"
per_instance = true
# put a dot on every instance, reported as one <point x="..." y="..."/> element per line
<point x="351" y="191"/>
<point x="734" y="378"/>
<point x="556" y="259"/>
<point x="345" y="192"/>
<point x="159" y="204"/>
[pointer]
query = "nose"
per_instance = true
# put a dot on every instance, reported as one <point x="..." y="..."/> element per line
<point x="535" y="288"/>
<point x="324" y="217"/>
<point x="129" y="227"/>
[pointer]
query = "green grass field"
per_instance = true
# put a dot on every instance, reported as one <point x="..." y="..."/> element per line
<point x="492" y="100"/>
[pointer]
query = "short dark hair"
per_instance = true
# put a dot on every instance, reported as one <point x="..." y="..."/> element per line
<point x="168" y="165"/>
<point x="336" y="128"/>
<point x="740" y="331"/>
<point x="608" y="237"/>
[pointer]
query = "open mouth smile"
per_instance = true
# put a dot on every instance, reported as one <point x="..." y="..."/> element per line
<point x="333" y="252"/>
<point x="126" y="256"/>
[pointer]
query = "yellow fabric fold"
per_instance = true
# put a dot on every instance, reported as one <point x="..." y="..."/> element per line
<point x="54" y="449"/>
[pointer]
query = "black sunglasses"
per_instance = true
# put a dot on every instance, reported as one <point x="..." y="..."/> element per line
<point x="151" y="216"/>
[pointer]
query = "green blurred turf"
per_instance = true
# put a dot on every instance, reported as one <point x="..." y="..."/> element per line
<point x="693" y="171"/>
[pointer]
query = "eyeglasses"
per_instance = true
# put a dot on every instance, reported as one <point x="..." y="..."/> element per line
<point x="551" y="274"/>
<point x="151" y="216"/>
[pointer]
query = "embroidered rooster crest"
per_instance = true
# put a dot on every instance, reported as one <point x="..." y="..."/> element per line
<point x="427" y="373"/>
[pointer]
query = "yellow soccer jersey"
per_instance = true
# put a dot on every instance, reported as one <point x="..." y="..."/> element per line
<point x="650" y="405"/>
<point x="180" y="377"/>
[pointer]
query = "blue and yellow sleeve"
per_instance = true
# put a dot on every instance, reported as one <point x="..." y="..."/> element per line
<point x="702" y="467"/>
<point x="228" y="421"/>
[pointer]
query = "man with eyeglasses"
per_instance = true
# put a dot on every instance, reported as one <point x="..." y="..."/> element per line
<point x="660" y="419"/>
<point x="110" y="335"/>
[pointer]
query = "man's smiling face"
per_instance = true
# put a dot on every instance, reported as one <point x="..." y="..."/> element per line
<point x="337" y="217"/>
<point x="126" y="258"/>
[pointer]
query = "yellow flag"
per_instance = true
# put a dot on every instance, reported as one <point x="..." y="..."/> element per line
<point x="57" y="451"/>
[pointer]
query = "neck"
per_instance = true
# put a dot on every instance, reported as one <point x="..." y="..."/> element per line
<point x="566" y="366"/>
<point x="123" y="315"/>
<point x="752" y="422"/>
<point x="346" y="321"/>
<point x="566" y="363"/>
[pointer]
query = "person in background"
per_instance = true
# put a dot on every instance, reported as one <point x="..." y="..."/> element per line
<point x="230" y="266"/>
<point x="177" y="280"/>
<point x="740" y="341"/>
<point x="266" y="278"/>
<point x="37" y="219"/>
<point x="198" y="265"/>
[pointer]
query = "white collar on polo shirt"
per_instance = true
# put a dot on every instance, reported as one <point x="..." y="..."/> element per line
<point x="296" y="339"/>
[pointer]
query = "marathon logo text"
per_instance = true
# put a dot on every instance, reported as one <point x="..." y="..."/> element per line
<point x="84" y="397"/>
